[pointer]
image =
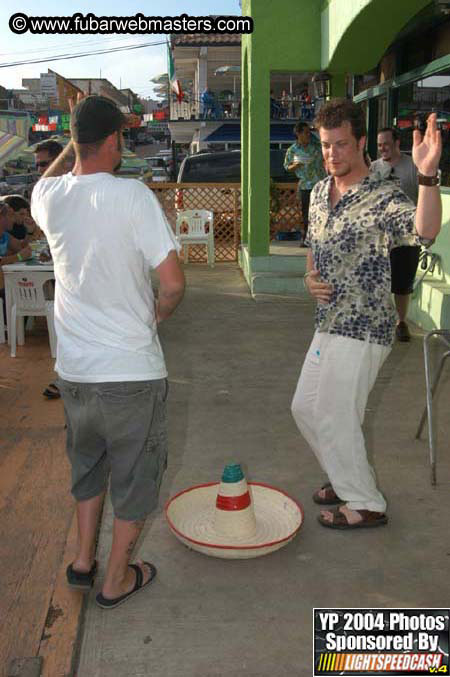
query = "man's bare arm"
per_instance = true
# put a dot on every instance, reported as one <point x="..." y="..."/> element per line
<point x="171" y="286"/>
<point x="62" y="164"/>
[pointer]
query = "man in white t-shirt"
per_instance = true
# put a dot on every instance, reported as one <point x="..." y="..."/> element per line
<point x="106" y="234"/>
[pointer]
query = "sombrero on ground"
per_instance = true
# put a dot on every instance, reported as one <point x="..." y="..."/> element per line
<point x="234" y="520"/>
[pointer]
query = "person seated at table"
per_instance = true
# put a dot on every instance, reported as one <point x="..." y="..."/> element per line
<point x="12" y="250"/>
<point x="24" y="228"/>
<point x="44" y="154"/>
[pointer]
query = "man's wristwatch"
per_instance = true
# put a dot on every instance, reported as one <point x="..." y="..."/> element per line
<point x="424" y="180"/>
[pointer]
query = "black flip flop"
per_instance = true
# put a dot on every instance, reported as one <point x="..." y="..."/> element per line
<point x="52" y="392"/>
<point x="79" y="580"/>
<point x="106" y="603"/>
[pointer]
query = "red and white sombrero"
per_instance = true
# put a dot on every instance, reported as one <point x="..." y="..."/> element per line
<point x="233" y="519"/>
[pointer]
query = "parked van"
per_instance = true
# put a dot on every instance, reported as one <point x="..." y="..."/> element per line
<point x="220" y="167"/>
<point x="225" y="167"/>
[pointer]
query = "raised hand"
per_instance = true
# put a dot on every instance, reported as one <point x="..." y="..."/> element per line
<point x="72" y="102"/>
<point x="426" y="151"/>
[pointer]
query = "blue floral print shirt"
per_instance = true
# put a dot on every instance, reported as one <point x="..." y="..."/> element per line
<point x="350" y="245"/>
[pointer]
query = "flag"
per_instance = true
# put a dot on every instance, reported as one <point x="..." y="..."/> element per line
<point x="174" y="83"/>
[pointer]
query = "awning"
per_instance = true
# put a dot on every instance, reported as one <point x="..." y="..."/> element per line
<point x="10" y="145"/>
<point x="231" y="133"/>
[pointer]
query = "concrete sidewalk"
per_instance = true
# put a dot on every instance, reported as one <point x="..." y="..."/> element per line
<point x="233" y="366"/>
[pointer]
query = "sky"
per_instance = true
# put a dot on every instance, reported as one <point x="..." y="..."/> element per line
<point x="132" y="69"/>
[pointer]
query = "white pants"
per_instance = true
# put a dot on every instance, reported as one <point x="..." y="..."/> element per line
<point x="328" y="407"/>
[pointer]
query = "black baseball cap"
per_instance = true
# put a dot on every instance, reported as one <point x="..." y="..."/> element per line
<point x="94" y="118"/>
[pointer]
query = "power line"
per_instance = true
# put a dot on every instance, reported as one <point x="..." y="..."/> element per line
<point x="61" y="57"/>
<point x="116" y="39"/>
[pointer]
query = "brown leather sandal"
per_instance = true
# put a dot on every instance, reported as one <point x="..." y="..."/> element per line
<point x="369" y="519"/>
<point x="330" y="498"/>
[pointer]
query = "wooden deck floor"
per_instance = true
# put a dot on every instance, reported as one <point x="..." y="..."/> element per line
<point x="39" y="616"/>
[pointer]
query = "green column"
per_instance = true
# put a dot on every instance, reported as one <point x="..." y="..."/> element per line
<point x="245" y="182"/>
<point x="259" y="163"/>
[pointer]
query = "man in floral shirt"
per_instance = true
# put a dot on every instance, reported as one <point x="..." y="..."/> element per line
<point x="305" y="159"/>
<point x="356" y="219"/>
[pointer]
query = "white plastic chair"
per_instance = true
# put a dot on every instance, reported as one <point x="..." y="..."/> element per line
<point x="200" y="231"/>
<point x="27" y="299"/>
<point x="2" y="323"/>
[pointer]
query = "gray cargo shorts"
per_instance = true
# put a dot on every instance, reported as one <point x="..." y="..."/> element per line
<point x="118" y="429"/>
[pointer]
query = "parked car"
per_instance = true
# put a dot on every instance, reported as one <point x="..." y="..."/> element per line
<point x="220" y="167"/>
<point x="19" y="184"/>
<point x="159" y="174"/>
<point x="130" y="172"/>
<point x="155" y="161"/>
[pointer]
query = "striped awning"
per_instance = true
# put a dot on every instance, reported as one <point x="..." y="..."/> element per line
<point x="10" y="145"/>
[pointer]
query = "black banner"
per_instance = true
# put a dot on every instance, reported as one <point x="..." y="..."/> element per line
<point x="381" y="642"/>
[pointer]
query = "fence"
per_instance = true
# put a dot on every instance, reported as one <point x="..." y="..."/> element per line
<point x="224" y="200"/>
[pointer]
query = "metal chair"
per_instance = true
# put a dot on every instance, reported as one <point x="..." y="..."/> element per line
<point x="200" y="230"/>
<point x="443" y="335"/>
<point x="28" y="300"/>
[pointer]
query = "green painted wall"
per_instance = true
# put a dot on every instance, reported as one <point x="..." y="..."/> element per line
<point x="286" y="33"/>
<point x="356" y="33"/>
<point x="430" y="303"/>
<point x="442" y="244"/>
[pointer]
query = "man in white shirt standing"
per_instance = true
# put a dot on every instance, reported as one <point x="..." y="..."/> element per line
<point x="106" y="234"/>
<point x="404" y="260"/>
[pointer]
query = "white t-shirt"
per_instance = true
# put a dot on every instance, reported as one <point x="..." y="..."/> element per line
<point x="105" y="234"/>
<point x="405" y="171"/>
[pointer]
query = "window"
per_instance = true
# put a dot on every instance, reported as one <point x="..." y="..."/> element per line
<point x="415" y="101"/>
